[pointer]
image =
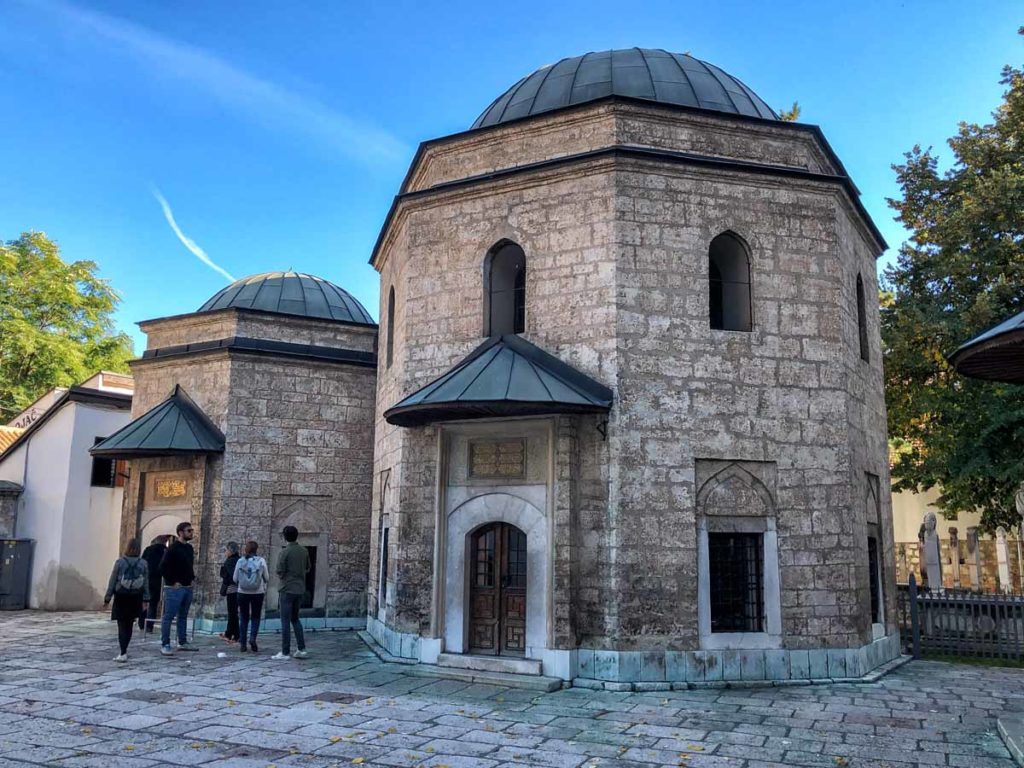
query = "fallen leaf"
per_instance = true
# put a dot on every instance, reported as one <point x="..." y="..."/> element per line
<point x="358" y="760"/>
<point x="129" y="747"/>
<point x="696" y="747"/>
<point x="334" y="739"/>
<point x="392" y="730"/>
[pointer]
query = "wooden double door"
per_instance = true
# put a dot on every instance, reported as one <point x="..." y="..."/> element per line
<point x="497" y="568"/>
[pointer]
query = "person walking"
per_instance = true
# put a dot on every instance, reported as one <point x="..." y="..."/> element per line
<point x="178" y="571"/>
<point x="229" y="590"/>
<point x="251" y="576"/>
<point x="292" y="567"/>
<point x="129" y="588"/>
<point x="153" y="554"/>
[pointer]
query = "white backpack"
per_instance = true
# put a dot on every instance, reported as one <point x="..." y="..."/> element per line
<point x="250" y="574"/>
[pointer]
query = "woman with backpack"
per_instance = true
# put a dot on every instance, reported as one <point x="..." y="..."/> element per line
<point x="251" y="576"/>
<point x="129" y="588"/>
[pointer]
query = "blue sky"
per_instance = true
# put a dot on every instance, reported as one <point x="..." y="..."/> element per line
<point x="278" y="133"/>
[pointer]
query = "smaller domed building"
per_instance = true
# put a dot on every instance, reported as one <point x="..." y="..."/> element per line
<point x="252" y="413"/>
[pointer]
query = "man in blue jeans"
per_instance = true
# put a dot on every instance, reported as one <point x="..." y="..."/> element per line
<point x="178" y="571"/>
<point x="292" y="567"/>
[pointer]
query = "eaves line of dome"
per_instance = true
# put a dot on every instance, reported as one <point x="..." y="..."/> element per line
<point x="681" y="158"/>
<point x="265" y="347"/>
<point x="257" y="312"/>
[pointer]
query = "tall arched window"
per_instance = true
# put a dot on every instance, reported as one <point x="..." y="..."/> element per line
<point x="505" y="290"/>
<point x="862" y="321"/>
<point x="389" y="351"/>
<point x="729" y="284"/>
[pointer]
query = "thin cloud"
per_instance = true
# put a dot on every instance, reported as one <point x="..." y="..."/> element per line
<point x="255" y="98"/>
<point x="187" y="241"/>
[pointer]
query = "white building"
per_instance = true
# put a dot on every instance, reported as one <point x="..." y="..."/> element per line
<point x="70" y="503"/>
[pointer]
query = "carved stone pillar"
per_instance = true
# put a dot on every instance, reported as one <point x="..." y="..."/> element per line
<point x="1003" y="560"/>
<point x="973" y="559"/>
<point x="954" y="556"/>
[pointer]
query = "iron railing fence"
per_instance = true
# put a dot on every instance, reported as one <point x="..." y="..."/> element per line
<point x="958" y="622"/>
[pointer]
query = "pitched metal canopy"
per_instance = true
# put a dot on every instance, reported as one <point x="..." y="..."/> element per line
<point x="995" y="355"/>
<point x="290" y="293"/>
<point x="505" y="376"/>
<point x="638" y="73"/>
<point x="176" y="426"/>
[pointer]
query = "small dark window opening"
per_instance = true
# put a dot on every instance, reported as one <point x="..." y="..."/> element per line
<point x="736" y="568"/>
<point x="875" y="580"/>
<point x="729" y="284"/>
<point x="505" y="291"/>
<point x="862" y="321"/>
<point x="391" y="328"/>
<point x="107" y="473"/>
<point x="383" y="586"/>
<point x="307" y="597"/>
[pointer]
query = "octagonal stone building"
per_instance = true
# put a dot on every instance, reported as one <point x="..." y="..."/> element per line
<point x="630" y="422"/>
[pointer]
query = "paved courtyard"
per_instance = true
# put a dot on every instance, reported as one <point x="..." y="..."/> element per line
<point x="63" y="702"/>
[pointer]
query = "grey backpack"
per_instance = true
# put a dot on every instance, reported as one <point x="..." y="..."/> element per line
<point x="250" y="574"/>
<point x="132" y="579"/>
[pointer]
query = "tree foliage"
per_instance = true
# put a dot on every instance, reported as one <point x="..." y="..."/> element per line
<point x="55" y="322"/>
<point x="960" y="272"/>
<point x="790" y="115"/>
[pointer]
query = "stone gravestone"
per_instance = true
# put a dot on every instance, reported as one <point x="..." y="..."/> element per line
<point x="973" y="559"/>
<point x="1003" y="560"/>
<point x="932" y="557"/>
<point x="954" y="556"/>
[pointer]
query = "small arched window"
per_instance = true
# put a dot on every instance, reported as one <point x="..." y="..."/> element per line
<point x="729" y="284"/>
<point x="505" y="290"/>
<point x="389" y="350"/>
<point x="862" y="321"/>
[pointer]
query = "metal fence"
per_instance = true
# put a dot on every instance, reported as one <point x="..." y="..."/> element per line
<point x="957" y="622"/>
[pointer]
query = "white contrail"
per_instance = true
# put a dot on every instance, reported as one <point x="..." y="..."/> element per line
<point x="255" y="98"/>
<point x="187" y="241"/>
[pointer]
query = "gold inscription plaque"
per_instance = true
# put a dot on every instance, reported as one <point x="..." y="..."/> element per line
<point x="170" y="488"/>
<point x="497" y="459"/>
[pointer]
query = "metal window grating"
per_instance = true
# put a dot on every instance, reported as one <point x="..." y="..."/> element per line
<point x="736" y="567"/>
<point x="873" y="577"/>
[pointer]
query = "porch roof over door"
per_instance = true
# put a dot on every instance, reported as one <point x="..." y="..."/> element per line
<point x="505" y="376"/>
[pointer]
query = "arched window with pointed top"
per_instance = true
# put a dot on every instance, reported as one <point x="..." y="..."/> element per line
<point x="729" y="284"/>
<point x="389" y="350"/>
<point x="862" y="321"/>
<point x="504" y="290"/>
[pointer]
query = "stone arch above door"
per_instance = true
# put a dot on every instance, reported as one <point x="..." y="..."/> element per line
<point x="462" y="521"/>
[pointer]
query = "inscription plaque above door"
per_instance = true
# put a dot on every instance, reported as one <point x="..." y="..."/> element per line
<point x="497" y="458"/>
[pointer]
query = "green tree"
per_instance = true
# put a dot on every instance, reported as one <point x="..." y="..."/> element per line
<point x="790" y="115"/>
<point x="55" y="322"/>
<point x="960" y="272"/>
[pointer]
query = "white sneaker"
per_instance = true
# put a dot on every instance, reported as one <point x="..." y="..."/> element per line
<point x="121" y="657"/>
<point x="300" y="655"/>
<point x="280" y="656"/>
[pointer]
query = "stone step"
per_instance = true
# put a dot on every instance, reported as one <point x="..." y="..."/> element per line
<point x="502" y="664"/>
<point x="528" y="682"/>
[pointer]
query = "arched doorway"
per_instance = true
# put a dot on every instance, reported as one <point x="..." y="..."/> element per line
<point x="497" y="572"/>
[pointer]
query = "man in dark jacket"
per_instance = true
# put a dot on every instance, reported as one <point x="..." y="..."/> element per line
<point x="178" y="571"/>
<point x="292" y="567"/>
<point x="153" y="555"/>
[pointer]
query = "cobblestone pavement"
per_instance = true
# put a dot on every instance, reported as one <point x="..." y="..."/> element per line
<point x="64" y="702"/>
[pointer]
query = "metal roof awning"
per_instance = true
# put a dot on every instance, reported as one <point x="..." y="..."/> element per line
<point x="995" y="355"/>
<point x="503" y="377"/>
<point x="177" y="426"/>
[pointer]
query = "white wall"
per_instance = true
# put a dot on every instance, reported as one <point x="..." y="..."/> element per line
<point x="908" y="510"/>
<point x="75" y="527"/>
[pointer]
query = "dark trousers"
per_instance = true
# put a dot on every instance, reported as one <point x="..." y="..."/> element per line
<point x="290" y="605"/>
<point x="231" y="633"/>
<point x="152" y="614"/>
<point x="125" y="625"/>
<point x="250" y="608"/>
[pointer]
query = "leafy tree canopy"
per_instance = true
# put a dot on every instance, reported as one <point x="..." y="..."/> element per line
<point x="55" y="322"/>
<point x="790" y="115"/>
<point x="960" y="272"/>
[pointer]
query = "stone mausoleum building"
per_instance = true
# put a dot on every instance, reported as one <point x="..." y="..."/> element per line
<point x="627" y="425"/>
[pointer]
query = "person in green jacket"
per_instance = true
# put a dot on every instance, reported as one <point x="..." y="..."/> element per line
<point x="292" y="567"/>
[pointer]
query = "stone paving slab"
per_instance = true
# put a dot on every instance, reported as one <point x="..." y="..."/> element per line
<point x="64" y="702"/>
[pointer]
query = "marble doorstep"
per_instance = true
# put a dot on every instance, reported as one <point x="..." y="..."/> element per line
<point x="1011" y="730"/>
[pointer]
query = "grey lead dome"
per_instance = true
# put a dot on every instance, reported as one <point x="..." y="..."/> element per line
<point x="290" y="293"/>
<point x="638" y="73"/>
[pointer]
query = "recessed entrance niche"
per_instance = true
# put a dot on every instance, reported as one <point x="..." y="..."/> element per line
<point x="497" y="574"/>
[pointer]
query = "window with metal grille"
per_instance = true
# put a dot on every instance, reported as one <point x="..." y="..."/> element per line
<point x="729" y="284"/>
<point x="505" y="290"/>
<point x="862" y="321"/>
<point x="876" y="587"/>
<point x="307" y="598"/>
<point x="383" y="586"/>
<point x="736" y="569"/>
